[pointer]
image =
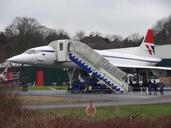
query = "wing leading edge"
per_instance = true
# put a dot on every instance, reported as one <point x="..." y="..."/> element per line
<point x="144" y="67"/>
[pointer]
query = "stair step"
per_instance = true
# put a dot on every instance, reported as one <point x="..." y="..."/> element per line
<point x="96" y="74"/>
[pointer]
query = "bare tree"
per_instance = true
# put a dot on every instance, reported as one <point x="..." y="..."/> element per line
<point x="23" y="25"/>
<point x="25" y="32"/>
<point x="159" y="26"/>
<point x="79" y="35"/>
<point x="114" y="37"/>
<point x="135" y="37"/>
<point x="163" y="31"/>
<point x="96" y="34"/>
<point x="62" y="32"/>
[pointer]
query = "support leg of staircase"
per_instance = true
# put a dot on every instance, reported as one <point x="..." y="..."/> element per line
<point x="70" y="73"/>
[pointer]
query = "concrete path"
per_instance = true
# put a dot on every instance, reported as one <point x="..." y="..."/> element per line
<point x="82" y="100"/>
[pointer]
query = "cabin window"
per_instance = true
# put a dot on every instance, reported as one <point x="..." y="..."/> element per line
<point x="61" y="46"/>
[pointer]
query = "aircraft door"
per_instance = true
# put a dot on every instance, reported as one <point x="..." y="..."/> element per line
<point x="62" y="51"/>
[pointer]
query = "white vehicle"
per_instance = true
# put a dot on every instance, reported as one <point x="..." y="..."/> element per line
<point x="98" y="63"/>
<point x="132" y="79"/>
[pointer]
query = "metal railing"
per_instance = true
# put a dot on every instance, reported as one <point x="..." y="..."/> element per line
<point x="97" y="60"/>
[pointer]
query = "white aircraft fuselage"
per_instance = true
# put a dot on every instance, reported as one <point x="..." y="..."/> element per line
<point x="135" y="57"/>
<point x="46" y="56"/>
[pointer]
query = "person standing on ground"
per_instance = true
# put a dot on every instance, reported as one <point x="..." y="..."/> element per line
<point x="155" y="87"/>
<point x="149" y="88"/>
<point x="161" y="89"/>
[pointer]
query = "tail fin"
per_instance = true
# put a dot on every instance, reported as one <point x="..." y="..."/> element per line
<point x="147" y="47"/>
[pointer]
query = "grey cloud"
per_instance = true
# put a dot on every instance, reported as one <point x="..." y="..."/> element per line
<point x="107" y="16"/>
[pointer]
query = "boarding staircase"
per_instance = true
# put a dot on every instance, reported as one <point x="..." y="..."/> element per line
<point x="97" y="66"/>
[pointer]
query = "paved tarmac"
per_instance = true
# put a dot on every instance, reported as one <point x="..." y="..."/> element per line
<point x="82" y="100"/>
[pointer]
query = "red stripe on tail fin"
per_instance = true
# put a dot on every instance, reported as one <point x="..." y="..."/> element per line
<point x="149" y="37"/>
<point x="149" y="50"/>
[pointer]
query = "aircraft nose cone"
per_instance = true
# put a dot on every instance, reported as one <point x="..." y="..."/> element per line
<point x="11" y="59"/>
<point x="16" y="59"/>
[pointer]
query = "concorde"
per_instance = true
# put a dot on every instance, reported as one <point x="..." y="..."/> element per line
<point x="104" y="65"/>
<point x="135" y="57"/>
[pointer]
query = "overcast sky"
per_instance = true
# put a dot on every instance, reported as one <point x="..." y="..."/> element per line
<point x="121" y="17"/>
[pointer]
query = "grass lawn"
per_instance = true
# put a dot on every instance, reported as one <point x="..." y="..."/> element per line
<point x="104" y="113"/>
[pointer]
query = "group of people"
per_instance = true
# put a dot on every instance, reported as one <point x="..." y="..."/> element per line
<point x="155" y="87"/>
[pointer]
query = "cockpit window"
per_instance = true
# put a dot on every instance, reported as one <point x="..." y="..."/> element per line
<point x="31" y="51"/>
<point x="38" y="51"/>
